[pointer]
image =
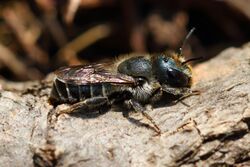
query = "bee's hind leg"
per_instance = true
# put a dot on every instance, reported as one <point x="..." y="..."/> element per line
<point x="139" y="108"/>
<point x="85" y="105"/>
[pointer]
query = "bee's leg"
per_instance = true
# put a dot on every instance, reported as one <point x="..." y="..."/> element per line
<point x="192" y="93"/>
<point x="86" y="105"/>
<point x="139" y="108"/>
<point x="182" y="92"/>
<point x="184" y="97"/>
<point x="176" y="91"/>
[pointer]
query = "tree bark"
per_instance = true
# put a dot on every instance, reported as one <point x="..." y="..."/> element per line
<point x="210" y="129"/>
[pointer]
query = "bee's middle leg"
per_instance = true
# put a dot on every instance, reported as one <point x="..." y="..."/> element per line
<point x="139" y="108"/>
<point x="85" y="105"/>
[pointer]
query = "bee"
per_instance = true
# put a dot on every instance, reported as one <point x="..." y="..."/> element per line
<point x="135" y="80"/>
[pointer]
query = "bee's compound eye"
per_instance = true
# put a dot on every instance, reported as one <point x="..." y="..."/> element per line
<point x="168" y="72"/>
<point x="177" y="78"/>
<point x="140" y="80"/>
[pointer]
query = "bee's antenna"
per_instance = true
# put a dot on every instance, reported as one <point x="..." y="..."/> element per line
<point x="192" y="59"/>
<point x="185" y="40"/>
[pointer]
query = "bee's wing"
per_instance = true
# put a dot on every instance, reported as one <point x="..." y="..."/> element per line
<point x="91" y="74"/>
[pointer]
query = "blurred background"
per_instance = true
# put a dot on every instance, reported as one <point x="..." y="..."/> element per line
<point x="38" y="36"/>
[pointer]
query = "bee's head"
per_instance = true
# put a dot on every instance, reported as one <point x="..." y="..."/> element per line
<point x="172" y="70"/>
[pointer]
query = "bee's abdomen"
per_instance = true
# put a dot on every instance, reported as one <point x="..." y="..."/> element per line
<point x="63" y="92"/>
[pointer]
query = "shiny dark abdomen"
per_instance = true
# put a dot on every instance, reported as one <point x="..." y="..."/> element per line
<point x="76" y="93"/>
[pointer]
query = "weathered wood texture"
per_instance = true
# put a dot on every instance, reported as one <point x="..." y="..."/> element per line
<point x="213" y="130"/>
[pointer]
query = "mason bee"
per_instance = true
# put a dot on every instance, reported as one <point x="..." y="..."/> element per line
<point x="134" y="80"/>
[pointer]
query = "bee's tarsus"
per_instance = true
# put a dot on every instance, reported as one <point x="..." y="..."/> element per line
<point x="139" y="108"/>
<point x="192" y="93"/>
<point x="156" y="127"/>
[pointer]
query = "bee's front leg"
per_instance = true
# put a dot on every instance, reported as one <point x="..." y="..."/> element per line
<point x="176" y="91"/>
<point x="139" y="108"/>
<point x="181" y="92"/>
<point x="86" y="105"/>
